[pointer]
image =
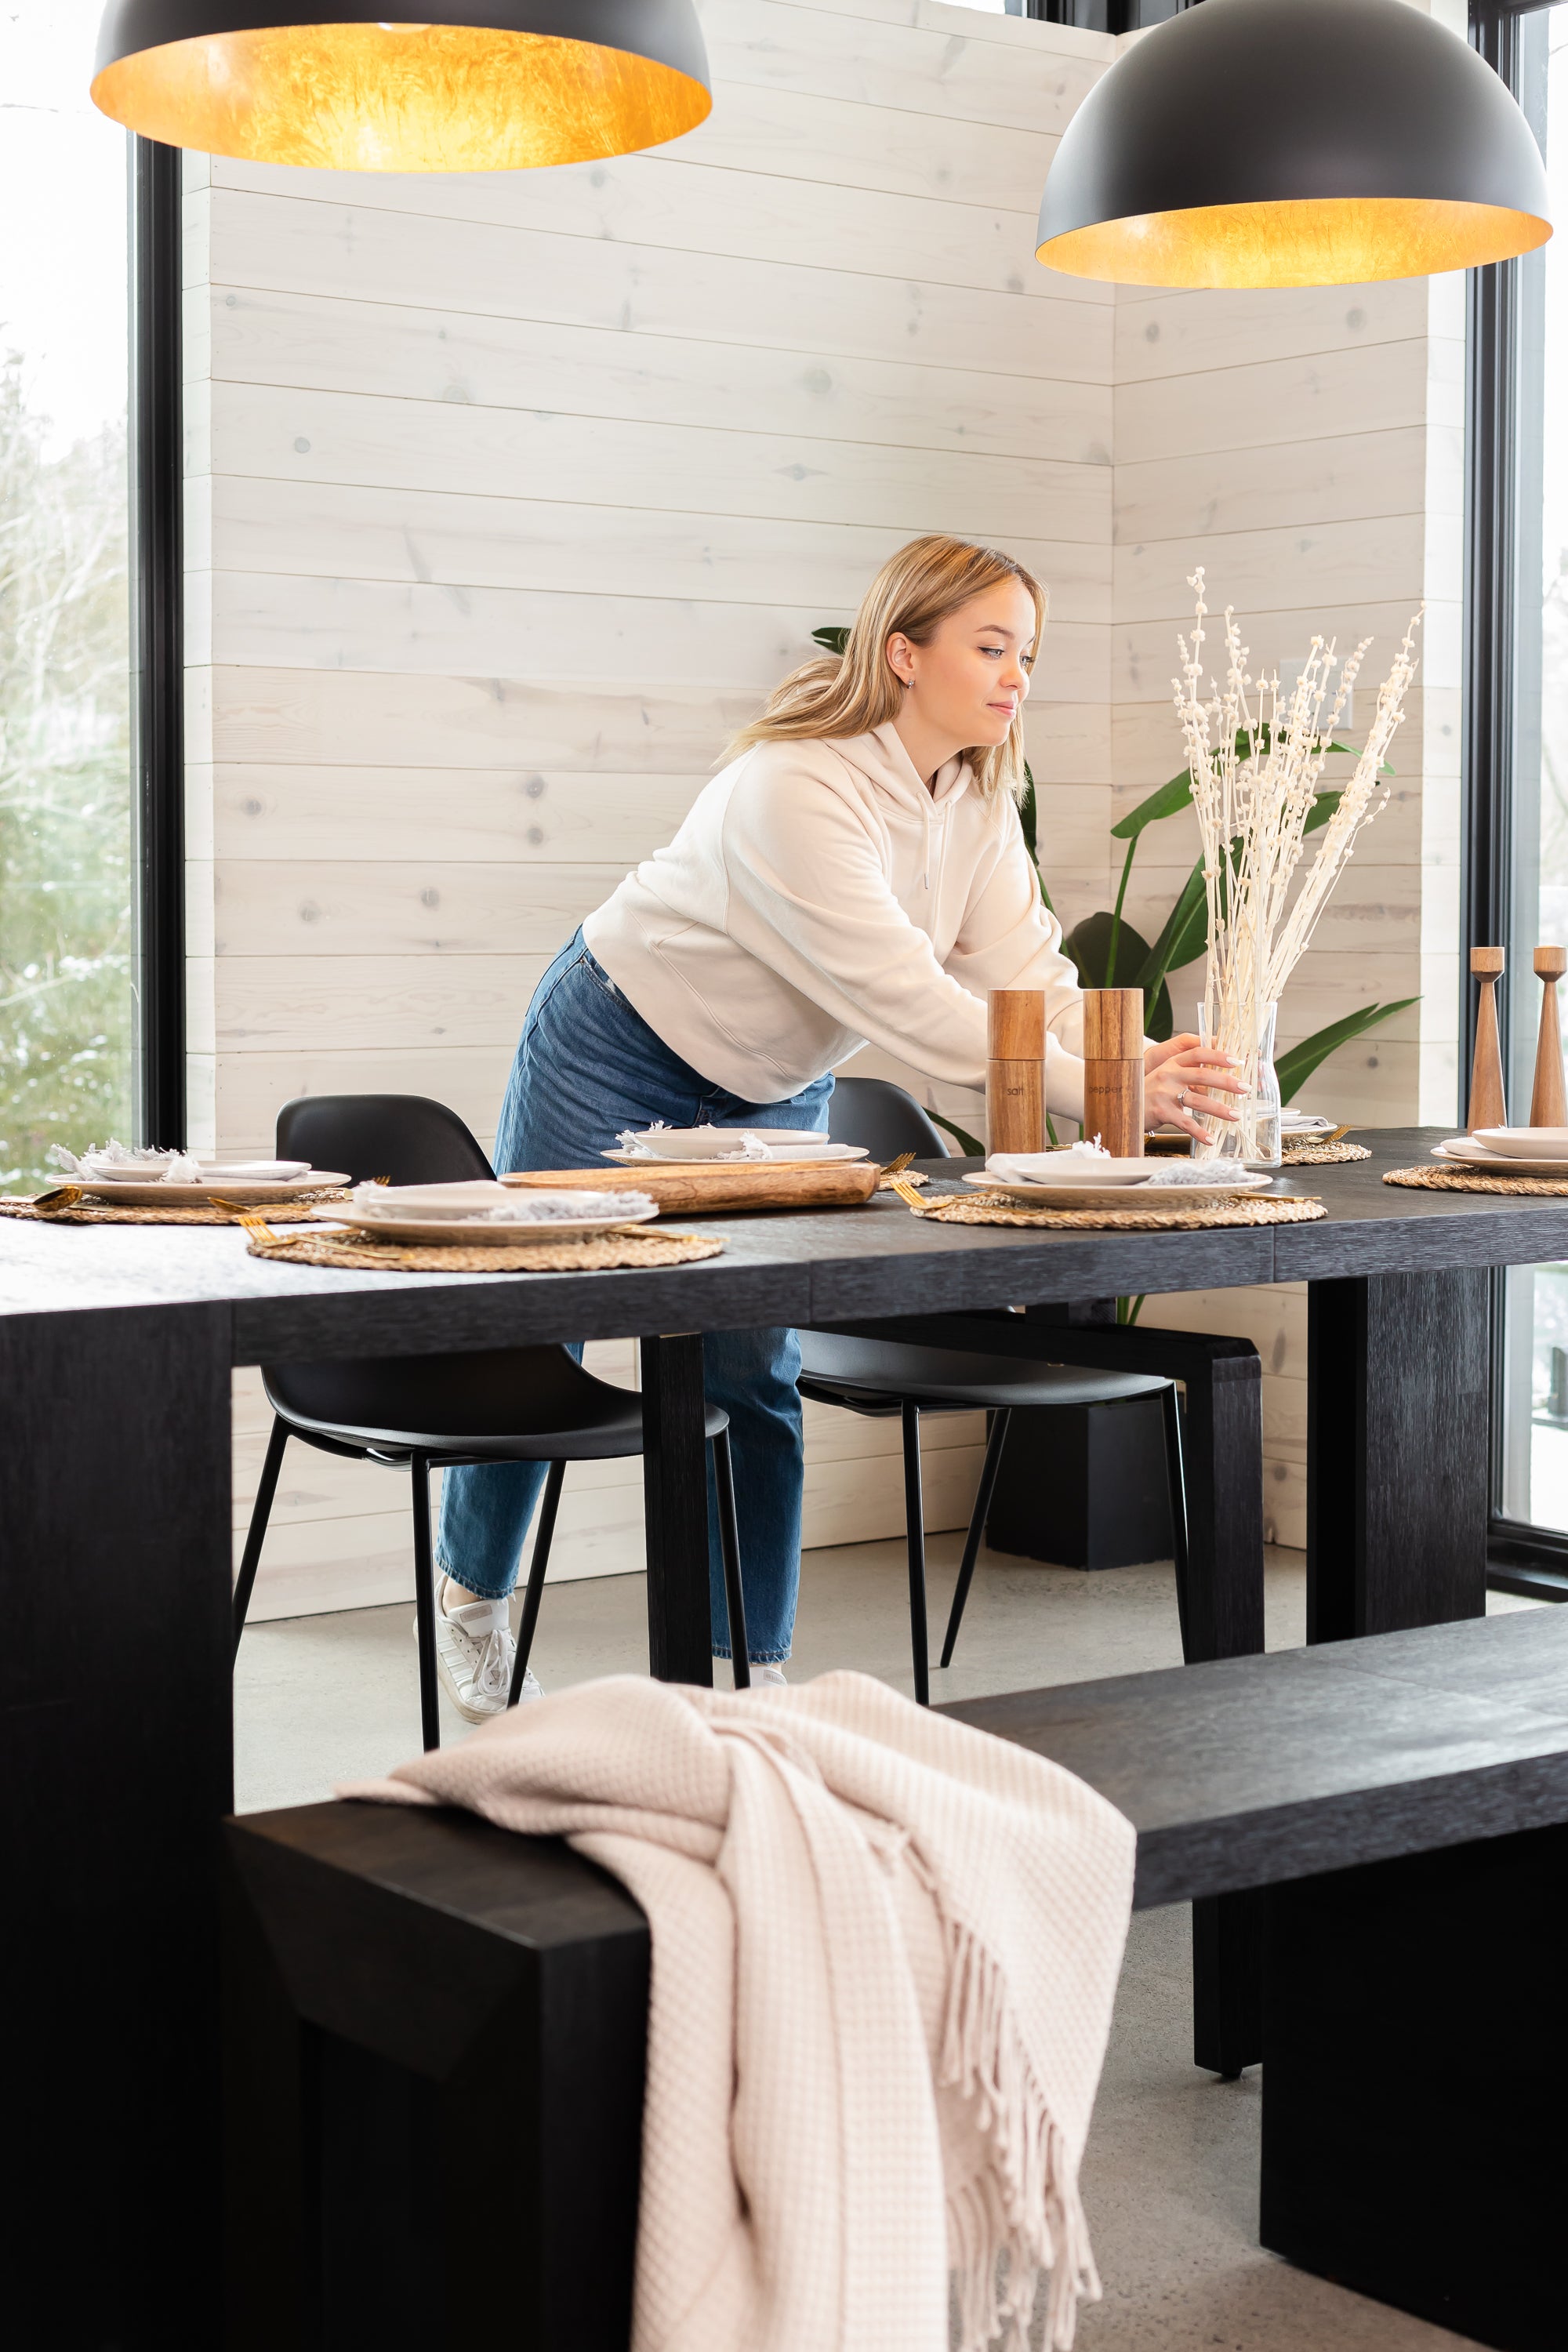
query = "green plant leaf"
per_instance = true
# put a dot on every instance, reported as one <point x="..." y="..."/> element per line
<point x="1184" y="937"/>
<point x="1089" y="945"/>
<point x="1028" y="819"/>
<point x="1321" y="810"/>
<point x="1294" y="1068"/>
<point x="832" y="641"/>
<point x="1167" y="801"/>
<point x="972" y="1148"/>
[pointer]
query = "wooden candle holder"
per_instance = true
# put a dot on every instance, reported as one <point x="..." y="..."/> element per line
<point x="1488" y="1103"/>
<point x="1547" y="1104"/>
<point x="1016" y="1070"/>
<point x="1113" y="1069"/>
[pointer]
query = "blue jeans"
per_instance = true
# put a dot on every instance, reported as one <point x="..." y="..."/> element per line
<point x="588" y="1066"/>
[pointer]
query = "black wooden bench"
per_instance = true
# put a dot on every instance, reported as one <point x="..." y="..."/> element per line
<point x="427" y="2015"/>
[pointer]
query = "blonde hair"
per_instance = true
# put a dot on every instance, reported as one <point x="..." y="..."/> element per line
<point x="848" y="694"/>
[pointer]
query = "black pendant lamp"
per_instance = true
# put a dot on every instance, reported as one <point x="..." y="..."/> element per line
<point x="489" y="85"/>
<point x="1293" y="142"/>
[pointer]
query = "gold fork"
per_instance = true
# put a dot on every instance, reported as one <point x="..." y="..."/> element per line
<point x="256" y="1226"/>
<point x="893" y="1174"/>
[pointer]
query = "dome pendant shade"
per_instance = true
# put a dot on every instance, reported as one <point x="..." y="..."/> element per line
<point x="539" y="81"/>
<point x="1293" y="142"/>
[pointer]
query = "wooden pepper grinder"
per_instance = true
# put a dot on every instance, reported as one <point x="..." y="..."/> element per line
<point x="1016" y="1070"/>
<point x="1489" y="1104"/>
<point x="1113" y="1069"/>
<point x="1547" y="1106"/>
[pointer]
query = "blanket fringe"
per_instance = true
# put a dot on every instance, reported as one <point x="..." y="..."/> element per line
<point x="1024" y="2206"/>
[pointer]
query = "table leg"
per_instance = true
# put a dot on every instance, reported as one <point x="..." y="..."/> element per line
<point x="1398" y="1460"/>
<point x="1223" y="1619"/>
<point x="1414" y="2075"/>
<point x="115" y="1772"/>
<point x="675" y="1493"/>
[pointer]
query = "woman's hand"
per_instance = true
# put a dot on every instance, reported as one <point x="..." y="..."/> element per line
<point x="1183" y="1083"/>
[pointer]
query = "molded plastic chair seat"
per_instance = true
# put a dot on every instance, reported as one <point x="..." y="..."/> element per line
<point x="874" y="1376"/>
<point x="451" y="1412"/>
<point x="883" y="1116"/>
<point x="863" y="1373"/>
<point x="508" y="1404"/>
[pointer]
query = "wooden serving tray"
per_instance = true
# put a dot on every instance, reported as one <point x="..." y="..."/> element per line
<point x="722" y="1184"/>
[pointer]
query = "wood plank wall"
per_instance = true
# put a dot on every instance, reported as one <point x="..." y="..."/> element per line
<point x="512" y="495"/>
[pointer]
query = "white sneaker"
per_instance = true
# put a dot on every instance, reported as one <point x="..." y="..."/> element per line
<point x="475" y="1652"/>
<point x="768" y="1678"/>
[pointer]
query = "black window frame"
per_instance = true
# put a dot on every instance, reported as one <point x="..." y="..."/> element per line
<point x="156" y="468"/>
<point x="1522" y="1557"/>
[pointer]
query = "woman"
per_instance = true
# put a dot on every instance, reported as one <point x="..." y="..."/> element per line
<point x="857" y="872"/>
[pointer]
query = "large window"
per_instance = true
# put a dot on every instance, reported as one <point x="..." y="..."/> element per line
<point x="1518" y="744"/>
<point x="68" y="938"/>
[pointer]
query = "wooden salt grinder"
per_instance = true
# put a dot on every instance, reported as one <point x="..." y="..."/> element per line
<point x="1016" y="1070"/>
<point x="1547" y="1106"/>
<point x="1489" y="1104"/>
<point x="1113" y="1069"/>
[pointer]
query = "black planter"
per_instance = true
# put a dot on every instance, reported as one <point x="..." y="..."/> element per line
<point x="1084" y="1486"/>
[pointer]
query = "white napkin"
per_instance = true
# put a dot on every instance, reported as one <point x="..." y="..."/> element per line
<point x="1172" y="1174"/>
<point x="521" y="1206"/>
<point x="120" y="1163"/>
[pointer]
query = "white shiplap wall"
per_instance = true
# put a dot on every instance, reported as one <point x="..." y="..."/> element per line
<point x="510" y="495"/>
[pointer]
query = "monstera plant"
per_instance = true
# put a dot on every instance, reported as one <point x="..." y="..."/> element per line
<point x="1109" y="953"/>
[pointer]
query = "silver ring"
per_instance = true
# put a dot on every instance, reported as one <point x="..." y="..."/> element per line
<point x="1182" y="1100"/>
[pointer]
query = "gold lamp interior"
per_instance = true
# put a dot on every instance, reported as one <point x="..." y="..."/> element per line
<point x="400" y="98"/>
<point x="1326" y="241"/>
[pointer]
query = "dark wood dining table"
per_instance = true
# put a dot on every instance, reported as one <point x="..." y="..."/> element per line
<point x="116" y="1349"/>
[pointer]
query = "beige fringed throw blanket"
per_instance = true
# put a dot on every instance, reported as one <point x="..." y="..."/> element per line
<point x="885" y="1949"/>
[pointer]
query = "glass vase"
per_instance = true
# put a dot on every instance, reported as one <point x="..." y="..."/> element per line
<point x="1253" y="1137"/>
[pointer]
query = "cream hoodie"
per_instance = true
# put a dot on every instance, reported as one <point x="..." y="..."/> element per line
<point x="818" y="899"/>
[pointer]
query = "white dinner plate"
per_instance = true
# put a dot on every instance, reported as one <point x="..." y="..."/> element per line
<point x="688" y="1143"/>
<point x="792" y="1155"/>
<point x="486" y="1232"/>
<point x="240" y="1193"/>
<point x="1040" y="1169"/>
<point x="1120" y="1195"/>
<point x="1464" y="1151"/>
<point x="456" y="1213"/>
<point x="1524" y="1142"/>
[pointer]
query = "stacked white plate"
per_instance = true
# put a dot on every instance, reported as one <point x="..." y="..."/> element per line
<point x="1069" y="1180"/>
<point x="1305" y="1124"/>
<point x="494" y="1215"/>
<point x="759" y="1147"/>
<point x="1511" y="1150"/>
<point x="242" y="1184"/>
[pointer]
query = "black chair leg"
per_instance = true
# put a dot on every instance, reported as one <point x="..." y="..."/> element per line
<point x="1177" y="1476"/>
<point x="914" y="1521"/>
<point x="425" y="1603"/>
<point x="988" y="1469"/>
<point x="544" y="1536"/>
<point x="255" y="1534"/>
<point x="730" y="1550"/>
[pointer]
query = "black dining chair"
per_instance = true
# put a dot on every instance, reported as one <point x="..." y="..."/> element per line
<point x="451" y="1412"/>
<point x="882" y="1378"/>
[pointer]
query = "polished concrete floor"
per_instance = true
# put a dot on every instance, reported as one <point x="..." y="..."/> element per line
<point x="1171" y="2177"/>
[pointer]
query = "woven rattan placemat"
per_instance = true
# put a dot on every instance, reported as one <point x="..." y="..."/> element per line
<point x="103" y="1213"/>
<point x="597" y="1255"/>
<point x="1476" y="1180"/>
<point x="1321" y="1155"/>
<point x="986" y="1209"/>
